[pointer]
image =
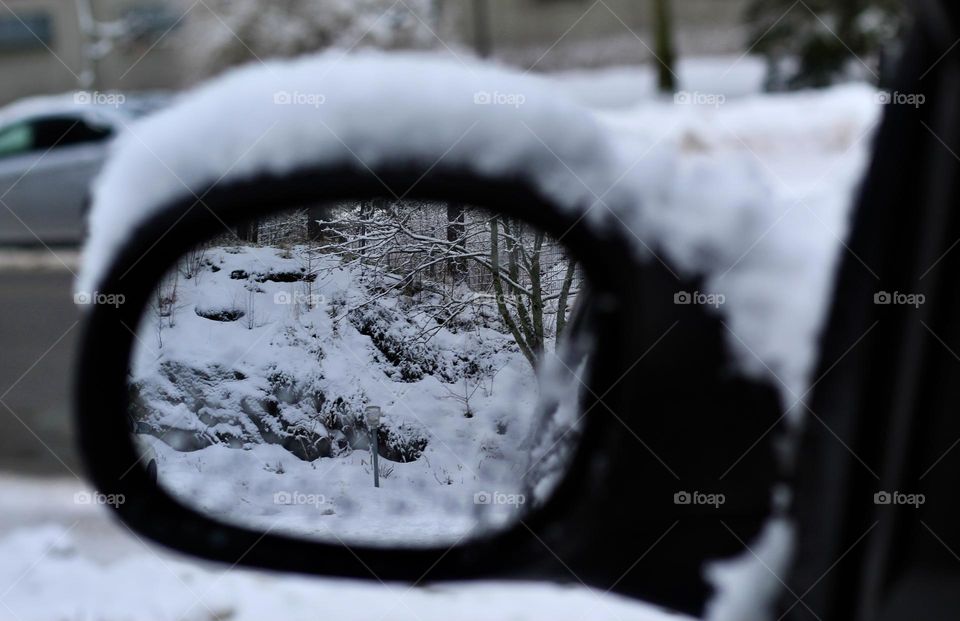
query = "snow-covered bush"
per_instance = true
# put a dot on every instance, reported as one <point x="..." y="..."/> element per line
<point x="305" y="374"/>
<point x="395" y="336"/>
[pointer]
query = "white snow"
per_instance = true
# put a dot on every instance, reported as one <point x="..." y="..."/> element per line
<point x="754" y="194"/>
<point x="365" y="111"/>
<point x="68" y="561"/>
<point x="749" y="585"/>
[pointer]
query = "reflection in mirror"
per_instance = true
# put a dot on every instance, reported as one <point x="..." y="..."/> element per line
<point x="369" y="372"/>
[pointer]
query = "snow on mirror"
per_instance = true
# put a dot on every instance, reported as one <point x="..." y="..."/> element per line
<point x="369" y="372"/>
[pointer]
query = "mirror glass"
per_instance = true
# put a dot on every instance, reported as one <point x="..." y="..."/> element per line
<point x="369" y="372"/>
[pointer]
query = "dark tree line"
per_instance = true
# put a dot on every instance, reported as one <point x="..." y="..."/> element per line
<point x="816" y="43"/>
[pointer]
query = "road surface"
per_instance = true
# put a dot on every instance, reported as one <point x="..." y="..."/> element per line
<point x="39" y="332"/>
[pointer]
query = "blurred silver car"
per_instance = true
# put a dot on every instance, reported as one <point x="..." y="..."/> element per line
<point x="50" y="150"/>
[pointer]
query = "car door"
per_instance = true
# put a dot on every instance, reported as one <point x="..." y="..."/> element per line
<point x="877" y="506"/>
<point x="46" y="165"/>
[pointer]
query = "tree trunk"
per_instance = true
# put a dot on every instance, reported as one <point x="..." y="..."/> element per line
<point x="564" y="296"/>
<point x="518" y="336"/>
<point x="366" y="213"/>
<point x="456" y="230"/>
<point x="513" y="270"/>
<point x="536" y="293"/>
<point x="314" y="215"/>
<point x="663" y="46"/>
<point x="249" y="231"/>
<point x="482" y="40"/>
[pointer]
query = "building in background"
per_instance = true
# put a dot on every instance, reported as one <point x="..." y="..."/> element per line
<point x="51" y="46"/>
<point x="45" y="49"/>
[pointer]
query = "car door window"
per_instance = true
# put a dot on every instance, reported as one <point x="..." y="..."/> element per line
<point x="16" y="139"/>
<point x="61" y="132"/>
<point x="48" y="133"/>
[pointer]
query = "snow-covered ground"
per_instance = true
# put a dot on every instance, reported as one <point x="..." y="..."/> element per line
<point x="64" y="561"/>
<point x="800" y="154"/>
<point x="260" y="353"/>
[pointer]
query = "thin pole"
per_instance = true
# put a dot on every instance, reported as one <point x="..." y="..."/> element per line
<point x="482" y="41"/>
<point x="376" y="456"/>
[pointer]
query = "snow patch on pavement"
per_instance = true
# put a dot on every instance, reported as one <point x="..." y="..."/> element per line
<point x="40" y="259"/>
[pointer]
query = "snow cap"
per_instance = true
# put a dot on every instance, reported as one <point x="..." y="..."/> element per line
<point x="366" y="110"/>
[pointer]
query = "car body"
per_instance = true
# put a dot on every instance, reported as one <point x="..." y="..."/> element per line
<point x="50" y="150"/>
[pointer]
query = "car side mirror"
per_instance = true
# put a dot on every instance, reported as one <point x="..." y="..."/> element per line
<point x="360" y="326"/>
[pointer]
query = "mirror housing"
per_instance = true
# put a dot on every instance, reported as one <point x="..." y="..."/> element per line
<point x="659" y="398"/>
<point x="109" y="337"/>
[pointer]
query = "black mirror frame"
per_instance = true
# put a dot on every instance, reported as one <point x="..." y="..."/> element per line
<point x="610" y="265"/>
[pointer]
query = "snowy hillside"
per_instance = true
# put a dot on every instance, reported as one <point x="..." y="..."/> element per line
<point x="256" y="363"/>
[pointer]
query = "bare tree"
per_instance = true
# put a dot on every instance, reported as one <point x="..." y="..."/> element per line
<point x="456" y="230"/>
<point x="166" y="303"/>
<point x="522" y="307"/>
<point x="192" y="263"/>
<point x="458" y="260"/>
